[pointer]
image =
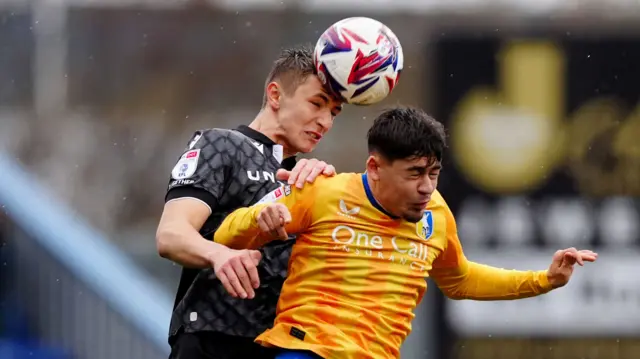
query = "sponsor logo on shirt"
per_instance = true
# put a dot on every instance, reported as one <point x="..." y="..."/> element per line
<point x="344" y="211"/>
<point x="393" y="249"/>
<point x="259" y="176"/>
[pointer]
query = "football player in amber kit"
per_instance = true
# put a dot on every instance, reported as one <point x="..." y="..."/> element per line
<point x="366" y="243"/>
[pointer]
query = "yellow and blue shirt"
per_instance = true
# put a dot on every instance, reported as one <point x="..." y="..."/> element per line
<point x="356" y="273"/>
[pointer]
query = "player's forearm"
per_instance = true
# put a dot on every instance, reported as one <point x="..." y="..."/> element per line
<point x="482" y="282"/>
<point x="185" y="246"/>
<point x="240" y="230"/>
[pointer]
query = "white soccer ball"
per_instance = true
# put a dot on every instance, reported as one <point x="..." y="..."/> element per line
<point x="359" y="60"/>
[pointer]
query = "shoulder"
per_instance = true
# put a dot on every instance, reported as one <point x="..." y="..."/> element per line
<point x="323" y="186"/>
<point x="218" y="142"/>
<point x="207" y="139"/>
<point x="206" y="150"/>
<point x="337" y="183"/>
<point x="438" y="202"/>
<point x="211" y="136"/>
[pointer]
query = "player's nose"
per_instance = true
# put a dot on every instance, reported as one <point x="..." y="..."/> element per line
<point x="426" y="187"/>
<point x="325" y="121"/>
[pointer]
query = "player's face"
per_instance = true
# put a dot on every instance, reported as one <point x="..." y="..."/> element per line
<point x="410" y="182"/>
<point x="307" y="115"/>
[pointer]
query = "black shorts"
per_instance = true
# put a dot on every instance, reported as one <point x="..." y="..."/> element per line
<point x="211" y="345"/>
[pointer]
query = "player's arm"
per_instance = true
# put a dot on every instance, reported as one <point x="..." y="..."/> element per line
<point x="177" y="236"/>
<point x="286" y="209"/>
<point x="459" y="278"/>
<point x="196" y="183"/>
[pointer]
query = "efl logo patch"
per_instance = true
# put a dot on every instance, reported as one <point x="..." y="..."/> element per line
<point x="186" y="166"/>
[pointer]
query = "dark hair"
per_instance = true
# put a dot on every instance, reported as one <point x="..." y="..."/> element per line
<point x="291" y="68"/>
<point x="405" y="133"/>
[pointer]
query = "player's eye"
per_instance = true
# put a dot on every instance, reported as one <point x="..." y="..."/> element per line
<point x="316" y="104"/>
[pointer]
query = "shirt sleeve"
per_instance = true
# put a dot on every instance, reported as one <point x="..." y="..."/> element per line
<point x="202" y="169"/>
<point x="459" y="278"/>
<point x="240" y="229"/>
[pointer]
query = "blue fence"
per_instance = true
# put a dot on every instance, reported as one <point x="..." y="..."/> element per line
<point x="61" y="265"/>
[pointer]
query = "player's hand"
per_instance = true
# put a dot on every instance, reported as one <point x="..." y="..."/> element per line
<point x="305" y="170"/>
<point x="237" y="270"/>
<point x="561" y="267"/>
<point x="273" y="218"/>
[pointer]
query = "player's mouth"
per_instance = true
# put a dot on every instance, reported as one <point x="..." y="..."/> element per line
<point x="315" y="136"/>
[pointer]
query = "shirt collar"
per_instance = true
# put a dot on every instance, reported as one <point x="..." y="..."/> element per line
<point x="287" y="163"/>
<point x="372" y="199"/>
<point x="255" y="135"/>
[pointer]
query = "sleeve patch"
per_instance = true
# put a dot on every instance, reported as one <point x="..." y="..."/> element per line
<point x="275" y="194"/>
<point x="186" y="166"/>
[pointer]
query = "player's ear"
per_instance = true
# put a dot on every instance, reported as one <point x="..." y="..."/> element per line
<point x="274" y="95"/>
<point x="373" y="167"/>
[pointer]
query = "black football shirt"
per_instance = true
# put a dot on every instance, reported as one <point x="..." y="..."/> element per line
<point x="228" y="169"/>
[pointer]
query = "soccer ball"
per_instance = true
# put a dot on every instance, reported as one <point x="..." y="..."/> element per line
<point x="359" y="60"/>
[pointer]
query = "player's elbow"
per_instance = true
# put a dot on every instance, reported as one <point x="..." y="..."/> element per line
<point x="454" y="294"/>
<point x="162" y="245"/>
<point x="166" y="238"/>
<point x="453" y="289"/>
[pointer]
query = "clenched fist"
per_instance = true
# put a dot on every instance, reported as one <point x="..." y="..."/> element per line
<point x="273" y="218"/>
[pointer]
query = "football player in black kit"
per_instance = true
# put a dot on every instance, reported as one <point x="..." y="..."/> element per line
<point x="220" y="171"/>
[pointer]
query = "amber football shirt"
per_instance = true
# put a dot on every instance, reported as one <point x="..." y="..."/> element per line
<point x="355" y="274"/>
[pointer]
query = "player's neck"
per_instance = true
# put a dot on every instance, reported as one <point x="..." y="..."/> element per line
<point x="263" y="124"/>
<point x="379" y="195"/>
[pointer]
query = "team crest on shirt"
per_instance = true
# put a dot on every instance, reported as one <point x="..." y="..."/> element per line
<point x="187" y="165"/>
<point x="424" y="228"/>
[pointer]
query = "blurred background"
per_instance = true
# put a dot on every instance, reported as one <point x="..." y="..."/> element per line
<point x="98" y="99"/>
